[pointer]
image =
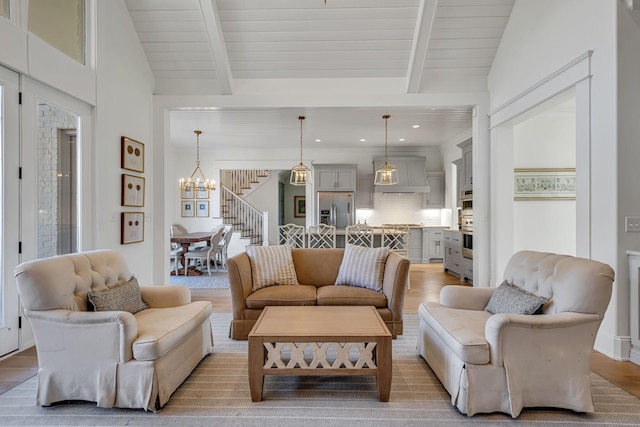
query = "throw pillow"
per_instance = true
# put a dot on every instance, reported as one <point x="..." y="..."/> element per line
<point x="363" y="267"/>
<point x="125" y="297"/>
<point x="271" y="265"/>
<point x="508" y="298"/>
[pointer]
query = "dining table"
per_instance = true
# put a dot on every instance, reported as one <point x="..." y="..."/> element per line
<point x="185" y="240"/>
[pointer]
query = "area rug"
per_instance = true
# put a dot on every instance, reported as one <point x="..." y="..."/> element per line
<point x="217" y="394"/>
<point x="217" y="280"/>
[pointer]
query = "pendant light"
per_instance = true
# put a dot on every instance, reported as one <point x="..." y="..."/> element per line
<point x="194" y="182"/>
<point x="300" y="174"/>
<point x="387" y="174"/>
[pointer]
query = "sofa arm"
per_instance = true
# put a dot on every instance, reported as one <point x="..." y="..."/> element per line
<point x="165" y="296"/>
<point x="394" y="283"/>
<point x="465" y="297"/>
<point x="547" y="336"/>
<point x="67" y="336"/>
<point x="240" y="283"/>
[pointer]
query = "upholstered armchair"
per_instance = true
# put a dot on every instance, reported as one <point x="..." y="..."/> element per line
<point x="504" y="362"/>
<point x="134" y="352"/>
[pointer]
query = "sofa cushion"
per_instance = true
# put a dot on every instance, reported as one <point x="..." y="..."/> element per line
<point x="350" y="295"/>
<point x="282" y="295"/>
<point x="363" y="267"/>
<point x="462" y="331"/>
<point x="124" y="297"/>
<point x="271" y="265"/>
<point x="508" y="298"/>
<point x="161" y="329"/>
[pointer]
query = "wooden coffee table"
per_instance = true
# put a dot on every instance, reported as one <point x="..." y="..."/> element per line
<point x="328" y="333"/>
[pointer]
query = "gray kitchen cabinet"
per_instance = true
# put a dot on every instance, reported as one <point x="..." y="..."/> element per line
<point x="458" y="163"/>
<point x="467" y="165"/>
<point x="364" y="191"/>
<point x="453" y="253"/>
<point x="335" y="177"/>
<point x="467" y="273"/>
<point x="415" y="245"/>
<point x="434" y="199"/>
<point x="432" y="244"/>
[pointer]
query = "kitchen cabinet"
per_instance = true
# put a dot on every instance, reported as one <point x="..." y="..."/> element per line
<point x="364" y="191"/>
<point x="458" y="163"/>
<point x="335" y="177"/>
<point x="467" y="269"/>
<point x="434" y="199"/>
<point x="467" y="165"/>
<point x="432" y="244"/>
<point x="453" y="253"/>
<point x="415" y="245"/>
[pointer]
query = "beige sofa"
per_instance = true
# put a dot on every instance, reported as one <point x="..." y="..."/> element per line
<point x="113" y="358"/>
<point x="506" y="362"/>
<point x="316" y="270"/>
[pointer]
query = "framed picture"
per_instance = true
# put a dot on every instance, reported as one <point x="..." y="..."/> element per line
<point x="188" y="209"/>
<point x="299" y="206"/>
<point x="202" y="193"/>
<point x="132" y="227"/>
<point x="132" y="190"/>
<point x="544" y="184"/>
<point x="186" y="193"/>
<point x="132" y="154"/>
<point x="202" y="208"/>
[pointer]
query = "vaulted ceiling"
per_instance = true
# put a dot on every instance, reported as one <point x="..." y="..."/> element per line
<point x="215" y="46"/>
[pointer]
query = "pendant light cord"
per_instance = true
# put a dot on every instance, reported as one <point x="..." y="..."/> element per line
<point x="301" y="118"/>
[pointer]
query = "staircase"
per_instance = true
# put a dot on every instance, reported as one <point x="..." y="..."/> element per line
<point x="237" y="212"/>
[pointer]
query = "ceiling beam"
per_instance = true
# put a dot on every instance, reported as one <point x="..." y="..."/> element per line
<point x="218" y="46"/>
<point x="421" y="36"/>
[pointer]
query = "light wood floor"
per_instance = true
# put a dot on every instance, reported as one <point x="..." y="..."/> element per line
<point x="426" y="282"/>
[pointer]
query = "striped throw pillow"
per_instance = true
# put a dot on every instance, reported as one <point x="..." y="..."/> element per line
<point x="363" y="267"/>
<point x="271" y="265"/>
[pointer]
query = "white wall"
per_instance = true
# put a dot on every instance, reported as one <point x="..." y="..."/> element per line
<point x="124" y="106"/>
<point x="541" y="38"/>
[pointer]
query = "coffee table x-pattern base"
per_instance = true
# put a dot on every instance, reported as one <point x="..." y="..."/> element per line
<point x="318" y="341"/>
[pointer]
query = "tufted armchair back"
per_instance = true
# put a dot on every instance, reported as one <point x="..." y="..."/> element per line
<point x="571" y="284"/>
<point x="62" y="282"/>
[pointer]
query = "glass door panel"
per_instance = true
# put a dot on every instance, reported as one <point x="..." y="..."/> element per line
<point x="10" y="212"/>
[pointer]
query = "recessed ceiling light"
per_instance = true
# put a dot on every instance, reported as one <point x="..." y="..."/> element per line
<point x="416" y="126"/>
<point x="401" y="139"/>
<point x="318" y="140"/>
<point x="362" y="140"/>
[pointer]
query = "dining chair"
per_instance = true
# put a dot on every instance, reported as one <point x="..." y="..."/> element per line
<point x="292" y="235"/>
<point x="223" y="245"/>
<point x="321" y="236"/>
<point x="175" y="253"/>
<point x="206" y="254"/>
<point x="359" y="234"/>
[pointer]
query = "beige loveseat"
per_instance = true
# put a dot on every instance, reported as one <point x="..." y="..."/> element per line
<point x="506" y="362"/>
<point x="113" y="358"/>
<point x="316" y="271"/>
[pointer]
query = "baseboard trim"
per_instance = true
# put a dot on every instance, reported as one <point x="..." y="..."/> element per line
<point x="614" y="347"/>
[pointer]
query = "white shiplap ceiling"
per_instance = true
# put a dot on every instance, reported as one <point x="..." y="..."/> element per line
<point x="207" y="46"/>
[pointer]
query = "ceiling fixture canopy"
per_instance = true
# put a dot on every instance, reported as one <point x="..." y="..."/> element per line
<point x="195" y="182"/>
<point x="387" y="174"/>
<point x="300" y="174"/>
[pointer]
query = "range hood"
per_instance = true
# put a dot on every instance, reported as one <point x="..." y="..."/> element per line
<point x="412" y="177"/>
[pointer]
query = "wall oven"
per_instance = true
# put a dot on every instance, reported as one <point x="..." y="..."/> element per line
<point x="467" y="235"/>
<point x="466" y="200"/>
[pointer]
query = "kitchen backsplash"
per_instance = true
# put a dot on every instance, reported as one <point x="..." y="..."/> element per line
<point x="403" y="208"/>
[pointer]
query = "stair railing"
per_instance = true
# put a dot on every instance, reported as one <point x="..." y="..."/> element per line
<point x="237" y="212"/>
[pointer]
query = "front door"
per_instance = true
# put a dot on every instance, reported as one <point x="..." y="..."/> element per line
<point x="10" y="212"/>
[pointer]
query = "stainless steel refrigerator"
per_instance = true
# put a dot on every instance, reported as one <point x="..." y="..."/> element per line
<point x="336" y="208"/>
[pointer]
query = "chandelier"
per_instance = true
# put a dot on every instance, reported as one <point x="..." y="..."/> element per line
<point x="300" y="174"/>
<point x="194" y="182"/>
<point x="387" y="174"/>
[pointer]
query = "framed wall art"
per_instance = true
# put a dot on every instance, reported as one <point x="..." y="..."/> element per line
<point x="186" y="193"/>
<point x="188" y="208"/>
<point x="202" y="208"/>
<point x="544" y="184"/>
<point x="202" y="193"/>
<point x="299" y="206"/>
<point x="132" y="227"/>
<point x="132" y="190"/>
<point x="132" y="154"/>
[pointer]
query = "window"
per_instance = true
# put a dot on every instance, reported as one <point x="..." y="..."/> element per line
<point x="61" y="24"/>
